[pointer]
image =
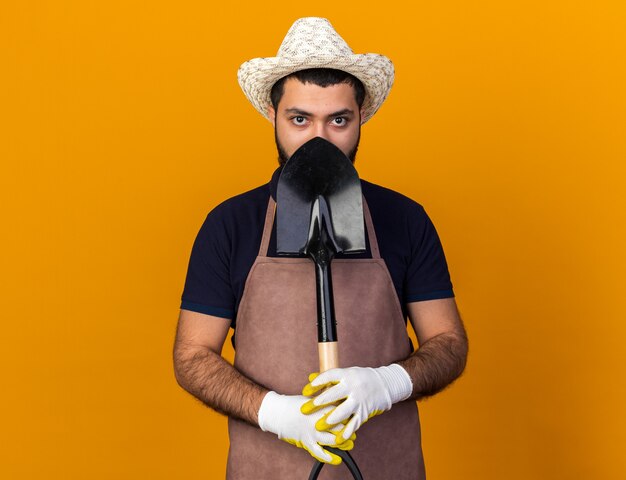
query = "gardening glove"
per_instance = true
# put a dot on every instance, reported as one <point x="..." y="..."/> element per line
<point x="280" y="414"/>
<point x="359" y="393"/>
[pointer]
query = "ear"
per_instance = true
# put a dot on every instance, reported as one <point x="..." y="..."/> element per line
<point x="361" y="117"/>
<point x="272" y="114"/>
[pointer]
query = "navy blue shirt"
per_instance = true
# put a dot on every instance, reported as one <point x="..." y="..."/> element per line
<point x="229" y="239"/>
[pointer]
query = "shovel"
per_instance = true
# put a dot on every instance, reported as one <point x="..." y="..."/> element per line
<point x="320" y="214"/>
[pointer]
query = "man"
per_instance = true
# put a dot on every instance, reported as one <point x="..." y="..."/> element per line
<point x="316" y="87"/>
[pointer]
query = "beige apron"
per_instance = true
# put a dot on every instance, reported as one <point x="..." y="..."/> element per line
<point x="276" y="346"/>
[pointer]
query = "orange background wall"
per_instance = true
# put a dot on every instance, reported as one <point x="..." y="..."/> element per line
<point x="122" y="125"/>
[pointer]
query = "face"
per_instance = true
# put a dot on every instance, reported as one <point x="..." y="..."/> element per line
<point x="307" y="110"/>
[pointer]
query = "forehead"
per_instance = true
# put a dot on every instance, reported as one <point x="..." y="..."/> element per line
<point x="316" y="99"/>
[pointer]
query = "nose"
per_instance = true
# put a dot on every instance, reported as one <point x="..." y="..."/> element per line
<point x="321" y="130"/>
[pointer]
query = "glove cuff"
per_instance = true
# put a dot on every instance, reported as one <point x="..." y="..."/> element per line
<point x="398" y="382"/>
<point x="269" y="411"/>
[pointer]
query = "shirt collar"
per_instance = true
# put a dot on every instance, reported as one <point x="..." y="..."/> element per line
<point x="274" y="182"/>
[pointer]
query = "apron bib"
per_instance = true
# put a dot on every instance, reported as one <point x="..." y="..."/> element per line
<point x="276" y="346"/>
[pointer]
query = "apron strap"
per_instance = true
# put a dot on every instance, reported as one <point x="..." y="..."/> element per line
<point x="267" y="229"/>
<point x="371" y="234"/>
<point x="269" y="224"/>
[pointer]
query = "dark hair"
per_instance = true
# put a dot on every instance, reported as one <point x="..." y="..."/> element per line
<point x="322" y="77"/>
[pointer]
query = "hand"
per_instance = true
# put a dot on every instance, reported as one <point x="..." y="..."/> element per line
<point x="359" y="393"/>
<point x="280" y="414"/>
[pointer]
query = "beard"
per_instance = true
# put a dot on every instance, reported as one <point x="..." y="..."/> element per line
<point x="283" y="157"/>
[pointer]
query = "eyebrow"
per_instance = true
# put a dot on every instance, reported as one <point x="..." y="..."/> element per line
<point x="304" y="113"/>
<point x="345" y="111"/>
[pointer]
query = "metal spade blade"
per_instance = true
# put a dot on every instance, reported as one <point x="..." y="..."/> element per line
<point x="319" y="183"/>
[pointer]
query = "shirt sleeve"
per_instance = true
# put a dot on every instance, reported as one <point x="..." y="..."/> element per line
<point x="427" y="277"/>
<point x="208" y="287"/>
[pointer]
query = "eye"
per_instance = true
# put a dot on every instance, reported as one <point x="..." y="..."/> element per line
<point x="339" y="121"/>
<point x="298" y="120"/>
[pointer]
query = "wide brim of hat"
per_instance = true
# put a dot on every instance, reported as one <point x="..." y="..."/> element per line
<point x="257" y="76"/>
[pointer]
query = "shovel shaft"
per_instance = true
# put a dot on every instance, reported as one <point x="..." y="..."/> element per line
<point x="329" y="355"/>
<point x="326" y="324"/>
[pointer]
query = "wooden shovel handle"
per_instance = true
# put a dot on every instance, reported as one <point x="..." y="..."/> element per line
<point x="329" y="355"/>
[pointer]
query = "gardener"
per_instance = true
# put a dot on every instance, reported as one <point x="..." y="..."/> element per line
<point x="316" y="87"/>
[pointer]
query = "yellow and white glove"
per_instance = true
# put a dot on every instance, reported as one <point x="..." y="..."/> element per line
<point x="358" y="393"/>
<point x="280" y="414"/>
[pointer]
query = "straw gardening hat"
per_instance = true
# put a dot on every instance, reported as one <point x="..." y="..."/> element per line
<point x="312" y="42"/>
